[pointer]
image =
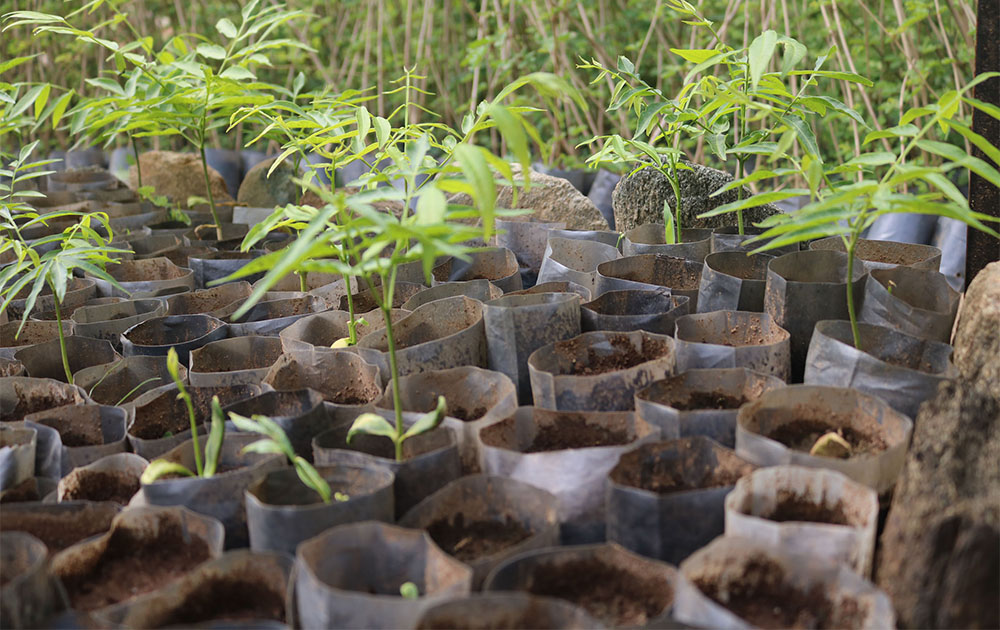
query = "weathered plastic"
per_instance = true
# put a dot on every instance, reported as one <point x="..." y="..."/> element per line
<point x="88" y="432"/>
<point x="574" y="260"/>
<point x="272" y="316"/>
<point x="11" y="367"/>
<point x="442" y="334"/>
<point x="918" y="302"/>
<point x="300" y="413"/>
<point x="574" y="472"/>
<point x="22" y="395"/>
<point x="556" y="287"/>
<point x="826" y="409"/>
<point x="143" y="527"/>
<point x="59" y="525"/>
<point x="81" y="180"/>
<point x="526" y="238"/>
<point x="479" y="289"/>
<point x="349" y="577"/>
<point x="885" y="254"/>
<point x="649" y="272"/>
<point x="635" y="309"/>
<point x="757" y="572"/>
<point x="144" y="278"/>
<point x="475" y="398"/>
<point x="221" y="496"/>
<point x="820" y="513"/>
<point x="349" y="384"/>
<point x="29" y="596"/>
<point x="733" y="339"/>
<point x="208" y="300"/>
<point x="214" y="266"/>
<point x="608" y="237"/>
<point x="235" y="361"/>
<point x="506" y="611"/>
<point x="702" y="402"/>
<point x="282" y="512"/>
<point x="235" y="590"/>
<point x="803" y="288"/>
<point x="17" y="455"/>
<point x="496" y="264"/>
<point x="599" y="371"/>
<point x="324" y="329"/>
<point x="729" y="239"/>
<point x="146" y="435"/>
<point x="665" y="499"/>
<point x="900" y="369"/>
<point x="525" y="573"/>
<point x="733" y="281"/>
<point x="516" y="326"/>
<point x="499" y="500"/>
<point x="109" y="321"/>
<point x="650" y="239"/>
<point x="125" y="466"/>
<point x="14" y="336"/>
<point x="184" y="333"/>
<point x="44" y="360"/>
<point x="430" y="460"/>
<point x="120" y="383"/>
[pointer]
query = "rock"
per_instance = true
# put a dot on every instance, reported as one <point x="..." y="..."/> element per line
<point x="259" y="190"/>
<point x="940" y="547"/>
<point x="977" y="341"/>
<point x="552" y="199"/>
<point x="178" y="176"/>
<point x="638" y="199"/>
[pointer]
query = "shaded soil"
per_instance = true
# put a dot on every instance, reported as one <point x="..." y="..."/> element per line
<point x="476" y="539"/>
<point x="761" y="597"/>
<point x="233" y="597"/>
<point x="794" y="507"/>
<point x="85" y="431"/>
<point x="709" y="400"/>
<point x="166" y="414"/>
<point x="103" y="485"/>
<point x="145" y="270"/>
<point x="132" y="565"/>
<point x="466" y="415"/>
<point x="155" y="334"/>
<point x="535" y="616"/>
<point x="27" y="490"/>
<point x="351" y="396"/>
<point x="611" y="594"/>
<point x="624" y="357"/>
<point x="34" y="398"/>
<point x="58" y="531"/>
<point x="800" y="435"/>
<point x="667" y="475"/>
<point x="572" y="431"/>
<point x="218" y="362"/>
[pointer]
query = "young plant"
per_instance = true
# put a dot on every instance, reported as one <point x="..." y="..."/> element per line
<point x="275" y="441"/>
<point x="213" y="446"/>
<point x="904" y="181"/>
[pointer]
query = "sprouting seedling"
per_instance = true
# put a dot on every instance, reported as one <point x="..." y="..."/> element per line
<point x="409" y="590"/>
<point x="213" y="446"/>
<point x="892" y="285"/>
<point x="346" y="342"/>
<point x="374" y="424"/>
<point x="276" y="441"/>
<point x="669" y="235"/>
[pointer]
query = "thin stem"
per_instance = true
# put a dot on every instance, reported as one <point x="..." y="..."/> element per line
<point x="397" y="403"/>
<point x="352" y="322"/>
<point x="302" y="281"/>
<point x="62" y="337"/>
<point x="851" y="245"/>
<point x="194" y="428"/>
<point x="138" y="167"/>
<point x="208" y="191"/>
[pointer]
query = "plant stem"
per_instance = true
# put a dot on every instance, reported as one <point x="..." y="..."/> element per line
<point x="194" y="429"/>
<point x="208" y="192"/>
<point x="397" y="403"/>
<point x="352" y="324"/>
<point x="138" y="167"/>
<point x="302" y="281"/>
<point x="851" y="245"/>
<point x="62" y="337"/>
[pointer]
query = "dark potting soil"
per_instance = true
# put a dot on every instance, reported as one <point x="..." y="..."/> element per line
<point x="27" y="490"/>
<point x="101" y="485"/>
<point x="169" y="415"/>
<point x="153" y="336"/>
<point x="80" y="431"/>
<point x="466" y="415"/>
<point x="351" y="396"/>
<point x="801" y="435"/>
<point x="762" y="597"/>
<point x="794" y="507"/>
<point x="610" y="593"/>
<point x="132" y="565"/>
<point x="58" y="531"/>
<point x="664" y="476"/>
<point x="149" y="270"/>
<point x="476" y="539"/>
<point x="709" y="400"/>
<point x="536" y="615"/>
<point x="253" y="361"/>
<point x="232" y="597"/>
<point x="624" y="357"/>
<point x="572" y="431"/>
<point x="32" y="399"/>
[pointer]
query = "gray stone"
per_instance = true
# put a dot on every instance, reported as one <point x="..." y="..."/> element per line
<point x="977" y="340"/>
<point x="638" y="199"/>
<point x="262" y="191"/>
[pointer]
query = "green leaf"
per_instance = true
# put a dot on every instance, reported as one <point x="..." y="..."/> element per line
<point x="160" y="468"/>
<point x="238" y="73"/>
<point x="371" y="424"/>
<point x="42" y="99"/>
<point x="795" y="52"/>
<point x="429" y="420"/>
<point x="901" y="131"/>
<point x="986" y="108"/>
<point x="173" y="365"/>
<point x="211" y="51"/>
<point x="759" y="55"/>
<point x="216" y="435"/>
<point x="695" y="55"/>
<point x="409" y="590"/>
<point x="382" y="130"/>
<point x="958" y="156"/>
<point x="804" y="133"/>
<point x="513" y="132"/>
<point x="61" y="105"/>
<point x="478" y="173"/>
<point x="878" y="158"/>
<point x="431" y="206"/>
<point x="226" y="27"/>
<point x="980" y="142"/>
<point x="312" y="479"/>
<point x="755" y="200"/>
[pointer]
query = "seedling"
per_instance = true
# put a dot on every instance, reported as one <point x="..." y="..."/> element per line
<point x="275" y="441"/>
<point x="213" y="446"/>
<point x="409" y="590"/>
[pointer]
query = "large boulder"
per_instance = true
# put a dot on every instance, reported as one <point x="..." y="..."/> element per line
<point x="260" y="190"/>
<point x="551" y="198"/>
<point x="178" y="176"/>
<point x="940" y="550"/>
<point x="638" y="199"/>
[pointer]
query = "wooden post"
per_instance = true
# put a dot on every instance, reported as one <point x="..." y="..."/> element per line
<point x="982" y="249"/>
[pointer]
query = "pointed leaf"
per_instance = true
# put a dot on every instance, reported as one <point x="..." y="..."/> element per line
<point x="371" y="424"/>
<point x="429" y="420"/>
<point x="759" y="55"/>
<point x="160" y="468"/>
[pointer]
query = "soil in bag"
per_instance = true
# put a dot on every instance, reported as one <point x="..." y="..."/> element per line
<point x="794" y="507"/>
<point x="476" y="539"/>
<point x="625" y="356"/>
<point x="102" y="485"/>
<point x="801" y="435"/>
<point x="573" y="431"/>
